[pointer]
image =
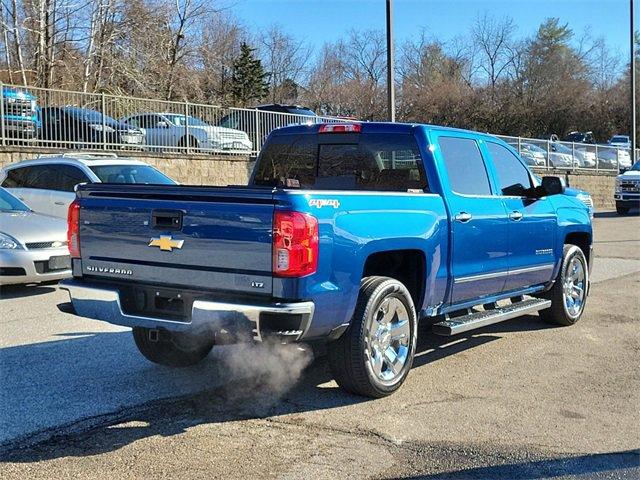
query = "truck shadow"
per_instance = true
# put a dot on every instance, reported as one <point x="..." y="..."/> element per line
<point x="21" y="291"/>
<point x="602" y="465"/>
<point x="43" y="381"/>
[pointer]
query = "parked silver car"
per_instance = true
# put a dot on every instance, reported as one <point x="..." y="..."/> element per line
<point x="179" y="131"/>
<point x="47" y="183"/>
<point x="33" y="247"/>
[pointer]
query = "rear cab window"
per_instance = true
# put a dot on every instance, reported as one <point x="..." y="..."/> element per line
<point x="366" y="161"/>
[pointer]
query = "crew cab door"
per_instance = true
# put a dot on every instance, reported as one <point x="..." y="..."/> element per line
<point x="479" y="220"/>
<point x="532" y="221"/>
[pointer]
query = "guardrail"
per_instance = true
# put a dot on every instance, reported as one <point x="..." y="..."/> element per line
<point x="65" y="119"/>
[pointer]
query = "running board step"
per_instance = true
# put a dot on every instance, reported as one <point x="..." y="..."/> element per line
<point x="452" y="326"/>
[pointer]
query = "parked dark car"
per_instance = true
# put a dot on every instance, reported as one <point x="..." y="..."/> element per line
<point x="83" y="127"/>
<point x="269" y="117"/>
<point x="580" y="137"/>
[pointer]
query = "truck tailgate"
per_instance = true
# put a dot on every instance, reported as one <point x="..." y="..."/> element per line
<point x="209" y="238"/>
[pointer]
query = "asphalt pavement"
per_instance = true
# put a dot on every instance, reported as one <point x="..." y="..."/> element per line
<point x="519" y="399"/>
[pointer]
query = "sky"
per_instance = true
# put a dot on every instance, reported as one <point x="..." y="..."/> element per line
<point x="320" y="21"/>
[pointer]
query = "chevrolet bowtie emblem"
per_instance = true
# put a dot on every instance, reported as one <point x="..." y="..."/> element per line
<point x="166" y="243"/>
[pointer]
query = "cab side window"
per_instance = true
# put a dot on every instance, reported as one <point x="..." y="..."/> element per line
<point x="465" y="166"/>
<point x="513" y="176"/>
<point x="67" y="177"/>
<point x="40" y="177"/>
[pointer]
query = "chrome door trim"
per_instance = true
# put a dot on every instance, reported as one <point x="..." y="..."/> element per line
<point x="504" y="273"/>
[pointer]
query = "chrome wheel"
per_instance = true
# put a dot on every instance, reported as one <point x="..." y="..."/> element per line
<point x="574" y="286"/>
<point x="388" y="340"/>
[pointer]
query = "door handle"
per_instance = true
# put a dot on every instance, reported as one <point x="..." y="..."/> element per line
<point x="515" y="216"/>
<point x="463" y="217"/>
<point x="59" y="203"/>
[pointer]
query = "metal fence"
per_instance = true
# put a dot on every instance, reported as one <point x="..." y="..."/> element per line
<point x="547" y="154"/>
<point x="64" y="119"/>
<point x="74" y="120"/>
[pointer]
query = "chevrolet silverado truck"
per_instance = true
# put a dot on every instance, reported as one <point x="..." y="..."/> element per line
<point x="347" y="235"/>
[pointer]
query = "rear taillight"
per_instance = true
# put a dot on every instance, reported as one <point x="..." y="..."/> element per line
<point x="295" y="244"/>
<point x="73" y="229"/>
<point x="340" y="128"/>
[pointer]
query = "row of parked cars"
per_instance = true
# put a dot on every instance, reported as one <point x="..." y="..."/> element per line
<point x="78" y="127"/>
<point x="560" y="155"/>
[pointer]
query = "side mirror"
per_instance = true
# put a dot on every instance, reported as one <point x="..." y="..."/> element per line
<point x="552" y="186"/>
<point x="162" y="124"/>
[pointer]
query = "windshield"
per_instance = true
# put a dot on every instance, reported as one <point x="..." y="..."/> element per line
<point x="9" y="203"/>
<point x="636" y="166"/>
<point x="561" y="148"/>
<point x="88" y="115"/>
<point x="532" y="148"/>
<point x="619" y="139"/>
<point x="302" y="111"/>
<point x="179" y="121"/>
<point x="131" y="174"/>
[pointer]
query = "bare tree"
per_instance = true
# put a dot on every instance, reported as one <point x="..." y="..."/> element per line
<point x="222" y="36"/>
<point x="285" y="58"/>
<point x="186" y="15"/>
<point x="493" y="43"/>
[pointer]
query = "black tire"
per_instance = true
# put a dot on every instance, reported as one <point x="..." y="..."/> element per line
<point x="559" y="313"/>
<point x="188" y="142"/>
<point x="170" y="348"/>
<point x="621" y="209"/>
<point x="348" y="356"/>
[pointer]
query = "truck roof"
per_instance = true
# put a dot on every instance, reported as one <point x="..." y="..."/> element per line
<point x="377" y="127"/>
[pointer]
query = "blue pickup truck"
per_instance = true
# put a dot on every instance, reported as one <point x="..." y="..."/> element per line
<point x="348" y="234"/>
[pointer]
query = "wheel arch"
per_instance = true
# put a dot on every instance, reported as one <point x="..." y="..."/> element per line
<point x="408" y="266"/>
<point x="582" y="240"/>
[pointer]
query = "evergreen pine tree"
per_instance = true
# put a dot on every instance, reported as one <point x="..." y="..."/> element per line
<point x="249" y="81"/>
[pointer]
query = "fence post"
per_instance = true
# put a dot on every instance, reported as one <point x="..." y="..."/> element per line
<point x="597" y="159"/>
<point x="519" y="145"/>
<point x="2" y="126"/>
<point x="186" y="126"/>
<point x="573" y="155"/>
<point x="548" y="155"/>
<point x="104" y="121"/>
<point x="257" y="131"/>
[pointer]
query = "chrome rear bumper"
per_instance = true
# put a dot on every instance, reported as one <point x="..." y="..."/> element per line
<point x="100" y="303"/>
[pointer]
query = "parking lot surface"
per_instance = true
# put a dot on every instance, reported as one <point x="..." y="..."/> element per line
<point x="519" y="399"/>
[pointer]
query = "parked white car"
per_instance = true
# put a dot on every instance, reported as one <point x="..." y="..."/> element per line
<point x="561" y="156"/>
<point x="171" y="130"/>
<point x="47" y="183"/>
<point x="613" y="158"/>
